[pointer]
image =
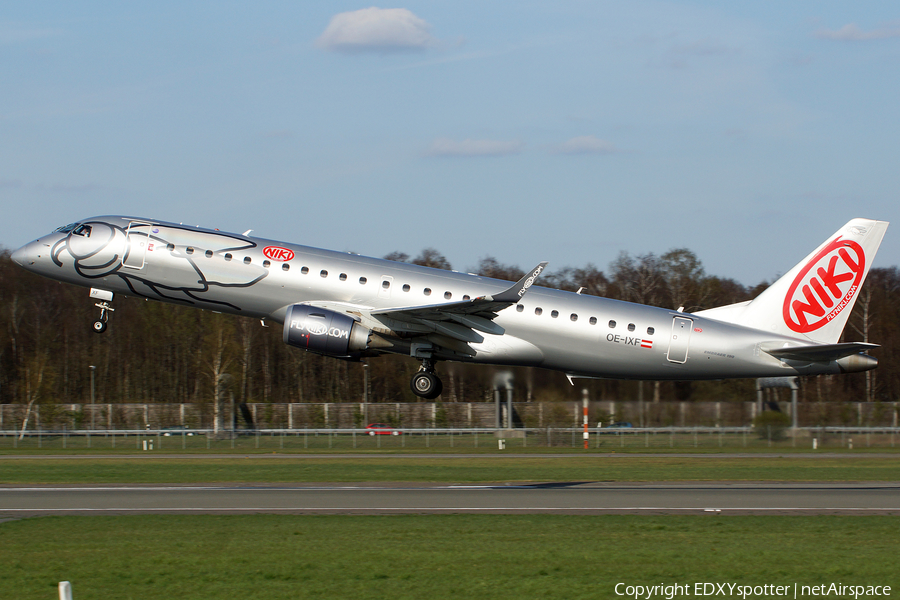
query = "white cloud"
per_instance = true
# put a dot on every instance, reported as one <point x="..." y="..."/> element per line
<point x="15" y="34"/>
<point x="376" y="30"/>
<point x="707" y="47"/>
<point x="585" y="144"/>
<point x="448" y="147"/>
<point x="65" y="188"/>
<point x="852" y="33"/>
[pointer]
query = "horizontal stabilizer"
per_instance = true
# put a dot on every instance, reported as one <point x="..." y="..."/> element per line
<point x="821" y="352"/>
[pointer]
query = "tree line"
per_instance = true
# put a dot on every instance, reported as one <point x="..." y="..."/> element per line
<point x="155" y="352"/>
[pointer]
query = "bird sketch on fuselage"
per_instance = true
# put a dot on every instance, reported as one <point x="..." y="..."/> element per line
<point x="98" y="249"/>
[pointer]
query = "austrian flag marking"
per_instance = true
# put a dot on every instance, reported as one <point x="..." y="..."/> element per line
<point x="628" y="340"/>
<point x="278" y="253"/>
<point x="825" y="286"/>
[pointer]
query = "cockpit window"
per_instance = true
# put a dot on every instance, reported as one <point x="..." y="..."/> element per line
<point x="66" y="228"/>
<point x="82" y="230"/>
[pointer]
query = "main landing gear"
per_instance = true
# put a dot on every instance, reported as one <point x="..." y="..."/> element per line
<point x="99" y="326"/>
<point x="425" y="384"/>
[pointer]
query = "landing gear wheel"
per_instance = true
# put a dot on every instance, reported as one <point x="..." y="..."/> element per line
<point x="426" y="385"/>
<point x="105" y="297"/>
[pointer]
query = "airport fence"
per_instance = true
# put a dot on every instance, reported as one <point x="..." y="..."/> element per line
<point x="481" y="439"/>
<point x="418" y="415"/>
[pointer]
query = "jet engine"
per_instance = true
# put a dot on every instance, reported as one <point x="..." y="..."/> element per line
<point x="324" y="331"/>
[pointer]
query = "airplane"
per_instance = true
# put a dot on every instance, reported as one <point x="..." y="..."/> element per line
<point x="349" y="306"/>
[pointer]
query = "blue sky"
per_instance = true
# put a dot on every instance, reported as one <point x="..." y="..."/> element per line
<point x="527" y="131"/>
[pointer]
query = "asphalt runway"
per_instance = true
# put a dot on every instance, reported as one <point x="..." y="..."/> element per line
<point x="560" y="498"/>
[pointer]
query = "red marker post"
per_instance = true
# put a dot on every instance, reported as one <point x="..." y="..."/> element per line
<point x="584" y="400"/>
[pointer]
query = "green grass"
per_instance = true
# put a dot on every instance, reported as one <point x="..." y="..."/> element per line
<point x="249" y="469"/>
<point x="436" y="556"/>
<point x="423" y="556"/>
<point x="442" y="441"/>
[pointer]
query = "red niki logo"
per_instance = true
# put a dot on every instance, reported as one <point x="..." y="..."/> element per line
<point x="825" y="286"/>
<point x="277" y="253"/>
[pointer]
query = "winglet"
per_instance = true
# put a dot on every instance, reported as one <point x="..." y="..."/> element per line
<point x="515" y="293"/>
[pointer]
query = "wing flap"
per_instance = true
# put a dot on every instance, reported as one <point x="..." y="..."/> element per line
<point x="452" y="330"/>
<point x="477" y="323"/>
<point x="451" y="344"/>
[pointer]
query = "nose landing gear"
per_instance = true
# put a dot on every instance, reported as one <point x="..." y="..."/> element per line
<point x="99" y="326"/>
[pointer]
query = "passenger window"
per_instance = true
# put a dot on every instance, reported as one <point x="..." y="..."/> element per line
<point x="343" y="277"/>
<point x="466" y="297"/>
<point x="247" y="260"/>
<point x="538" y="311"/>
<point x="189" y="250"/>
<point x="650" y="331"/>
<point x="304" y="270"/>
<point x="519" y="308"/>
<point x="447" y="295"/>
<point x="593" y="321"/>
<point x="406" y="287"/>
<point x="266" y="264"/>
<point x="612" y="324"/>
<point x="209" y="254"/>
<point x="170" y="247"/>
<point x="631" y="327"/>
<point x="386" y="284"/>
<point x="228" y="257"/>
<point x="285" y="267"/>
<point x="573" y="316"/>
<point x="362" y="280"/>
<point x="427" y="291"/>
<point x="554" y="313"/>
<point x="323" y="273"/>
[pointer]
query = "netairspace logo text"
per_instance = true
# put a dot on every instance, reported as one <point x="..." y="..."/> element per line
<point x="671" y="591"/>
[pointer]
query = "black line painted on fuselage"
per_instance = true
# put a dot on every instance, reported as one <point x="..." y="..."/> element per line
<point x="160" y="291"/>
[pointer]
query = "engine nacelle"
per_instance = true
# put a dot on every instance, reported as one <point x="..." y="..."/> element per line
<point x="324" y="331"/>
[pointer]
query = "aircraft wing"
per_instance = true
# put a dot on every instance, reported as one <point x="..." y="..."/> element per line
<point x="460" y="321"/>
<point x="822" y="352"/>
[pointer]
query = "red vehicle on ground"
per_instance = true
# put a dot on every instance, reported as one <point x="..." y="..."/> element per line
<point x="382" y="429"/>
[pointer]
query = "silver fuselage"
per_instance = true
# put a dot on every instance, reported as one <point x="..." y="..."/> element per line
<point x="580" y="335"/>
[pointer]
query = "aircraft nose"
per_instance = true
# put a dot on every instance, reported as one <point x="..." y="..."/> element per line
<point x="28" y="254"/>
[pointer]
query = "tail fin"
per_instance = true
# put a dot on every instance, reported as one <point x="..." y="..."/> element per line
<point x="815" y="298"/>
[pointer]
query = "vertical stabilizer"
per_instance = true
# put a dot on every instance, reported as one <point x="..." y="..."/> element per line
<point x="815" y="298"/>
